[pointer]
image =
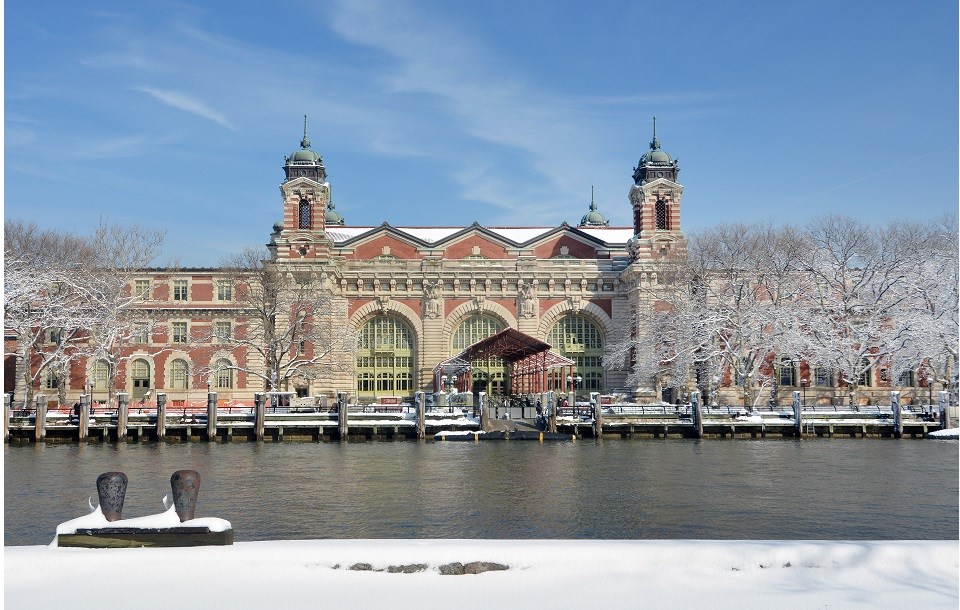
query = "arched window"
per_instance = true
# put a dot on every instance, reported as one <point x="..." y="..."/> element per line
<point x="660" y="211"/>
<point x="140" y="378"/>
<point x="489" y="374"/>
<point x="223" y="374"/>
<point x="385" y="358"/>
<point x="787" y="372"/>
<point x="305" y="214"/>
<point x="101" y="375"/>
<point x="578" y="338"/>
<point x="179" y="375"/>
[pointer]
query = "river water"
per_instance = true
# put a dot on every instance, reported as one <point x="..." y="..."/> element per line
<point x="715" y="489"/>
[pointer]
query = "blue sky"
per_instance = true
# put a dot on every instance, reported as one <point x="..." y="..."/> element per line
<point x="438" y="113"/>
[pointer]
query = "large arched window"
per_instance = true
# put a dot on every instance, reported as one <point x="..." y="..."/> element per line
<point x="140" y="378"/>
<point x="489" y="374"/>
<point x="101" y="375"/>
<point x="179" y="374"/>
<point x="578" y="338"/>
<point x="385" y="358"/>
<point x="223" y="374"/>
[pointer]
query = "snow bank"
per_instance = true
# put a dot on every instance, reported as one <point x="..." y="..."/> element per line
<point x="542" y="574"/>
<point x="948" y="433"/>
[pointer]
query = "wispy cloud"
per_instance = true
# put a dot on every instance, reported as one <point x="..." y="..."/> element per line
<point x="556" y="144"/>
<point x="182" y="101"/>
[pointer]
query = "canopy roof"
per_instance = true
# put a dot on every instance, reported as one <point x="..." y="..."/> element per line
<point x="510" y="345"/>
<point x="524" y="354"/>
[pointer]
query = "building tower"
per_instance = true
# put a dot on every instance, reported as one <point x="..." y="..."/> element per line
<point x="306" y="194"/>
<point x="655" y="196"/>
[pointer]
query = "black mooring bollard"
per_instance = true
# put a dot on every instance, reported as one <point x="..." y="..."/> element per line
<point x="111" y="489"/>
<point x="185" y="485"/>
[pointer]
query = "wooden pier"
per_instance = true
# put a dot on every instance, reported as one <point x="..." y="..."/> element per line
<point x="343" y="422"/>
<point x="261" y="422"/>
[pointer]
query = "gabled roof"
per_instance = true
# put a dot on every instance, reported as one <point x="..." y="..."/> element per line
<point x="515" y="236"/>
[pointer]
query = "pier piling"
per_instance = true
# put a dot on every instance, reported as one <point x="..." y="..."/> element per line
<point x="211" y="416"/>
<point x="40" y="422"/>
<point x="897" y="421"/>
<point x="123" y="415"/>
<point x="83" y="429"/>
<point x="342" y="415"/>
<point x="161" y="416"/>
<point x="797" y="415"/>
<point x="259" y="415"/>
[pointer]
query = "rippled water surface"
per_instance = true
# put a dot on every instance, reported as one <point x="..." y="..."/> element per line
<point x="715" y="489"/>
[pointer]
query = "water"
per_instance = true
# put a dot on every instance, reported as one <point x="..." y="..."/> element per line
<point x="770" y="489"/>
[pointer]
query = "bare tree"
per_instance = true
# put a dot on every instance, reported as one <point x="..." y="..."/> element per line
<point x="851" y="317"/>
<point x="289" y="328"/>
<point x="66" y="297"/>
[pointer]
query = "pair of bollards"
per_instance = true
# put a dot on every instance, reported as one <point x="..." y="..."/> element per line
<point x="112" y="488"/>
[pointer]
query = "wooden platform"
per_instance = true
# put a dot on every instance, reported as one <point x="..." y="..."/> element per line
<point x="135" y="537"/>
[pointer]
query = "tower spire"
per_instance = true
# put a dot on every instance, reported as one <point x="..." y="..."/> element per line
<point x="593" y="205"/>
<point x="305" y="142"/>
<point x="655" y="144"/>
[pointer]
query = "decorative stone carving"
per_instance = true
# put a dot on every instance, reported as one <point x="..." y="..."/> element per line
<point x="576" y="303"/>
<point x="432" y="306"/>
<point x="527" y="300"/>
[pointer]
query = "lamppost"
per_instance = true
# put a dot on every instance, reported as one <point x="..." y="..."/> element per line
<point x="930" y="391"/>
<point x="803" y="384"/>
<point x="572" y="383"/>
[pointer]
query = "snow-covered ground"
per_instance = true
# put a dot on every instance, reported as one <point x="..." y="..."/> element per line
<point x="542" y="574"/>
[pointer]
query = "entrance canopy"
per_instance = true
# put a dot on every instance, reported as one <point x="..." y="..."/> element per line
<point x="528" y="359"/>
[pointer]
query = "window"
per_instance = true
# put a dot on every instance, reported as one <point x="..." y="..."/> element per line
<point x="180" y="288"/>
<point x="660" y="210"/>
<point x="385" y="358"/>
<point x="141" y="289"/>
<point x="141" y="333"/>
<point x="865" y="376"/>
<point x="178" y="332"/>
<point x="222" y="332"/>
<point x="305" y="214"/>
<point x="907" y="379"/>
<point x="53" y="380"/>
<point x="224" y="374"/>
<point x="823" y="377"/>
<point x="179" y="374"/>
<point x="54" y="335"/>
<point x="489" y="374"/>
<point x="787" y="372"/>
<point x="101" y="375"/>
<point x="224" y="290"/>
<point x="579" y="339"/>
<point x="140" y="378"/>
